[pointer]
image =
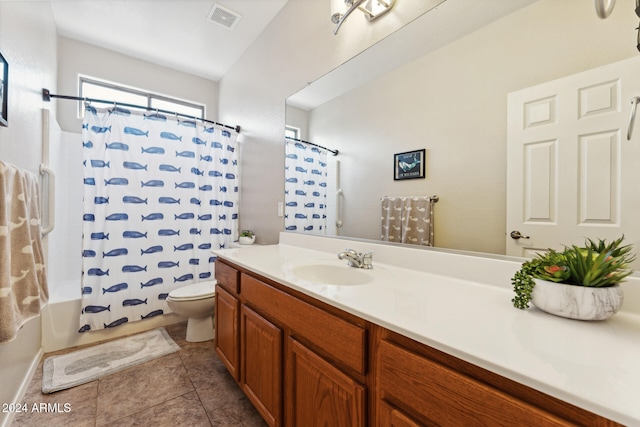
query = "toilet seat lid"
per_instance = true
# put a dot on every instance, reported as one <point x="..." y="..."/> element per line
<point x="195" y="291"/>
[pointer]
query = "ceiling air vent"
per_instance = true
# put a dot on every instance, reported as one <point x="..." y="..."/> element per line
<point x="224" y="17"/>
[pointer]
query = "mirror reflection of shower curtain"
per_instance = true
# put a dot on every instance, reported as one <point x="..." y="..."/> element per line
<point x="159" y="194"/>
<point x="305" y="188"/>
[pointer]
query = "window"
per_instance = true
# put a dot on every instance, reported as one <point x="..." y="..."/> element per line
<point x="97" y="89"/>
<point x="291" y="132"/>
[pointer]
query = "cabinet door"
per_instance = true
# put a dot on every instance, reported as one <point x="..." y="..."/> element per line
<point x="262" y="365"/>
<point x="322" y="395"/>
<point x="392" y="417"/>
<point x="443" y="396"/>
<point x="228" y="331"/>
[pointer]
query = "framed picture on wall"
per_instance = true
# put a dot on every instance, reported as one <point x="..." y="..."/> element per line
<point x="4" y="75"/>
<point x="409" y="165"/>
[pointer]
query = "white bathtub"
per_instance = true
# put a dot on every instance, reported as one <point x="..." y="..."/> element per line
<point x="60" y="320"/>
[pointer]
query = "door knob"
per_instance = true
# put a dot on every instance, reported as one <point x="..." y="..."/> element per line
<point x="515" y="234"/>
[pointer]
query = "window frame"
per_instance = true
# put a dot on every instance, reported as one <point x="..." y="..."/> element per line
<point x="150" y="96"/>
<point x="295" y="130"/>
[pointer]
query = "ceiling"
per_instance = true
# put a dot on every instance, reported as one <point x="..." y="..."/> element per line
<point x="178" y="34"/>
<point x="172" y="33"/>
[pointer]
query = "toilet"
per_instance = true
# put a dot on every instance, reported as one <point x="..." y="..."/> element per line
<point x="197" y="302"/>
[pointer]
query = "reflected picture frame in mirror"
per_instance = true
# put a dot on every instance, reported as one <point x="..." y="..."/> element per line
<point x="409" y="165"/>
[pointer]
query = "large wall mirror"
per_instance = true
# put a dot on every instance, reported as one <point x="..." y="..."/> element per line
<point x="441" y="84"/>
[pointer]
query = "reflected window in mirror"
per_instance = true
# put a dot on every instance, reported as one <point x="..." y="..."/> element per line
<point x="292" y="132"/>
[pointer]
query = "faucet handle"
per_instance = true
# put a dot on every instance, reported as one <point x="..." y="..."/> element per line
<point x="367" y="260"/>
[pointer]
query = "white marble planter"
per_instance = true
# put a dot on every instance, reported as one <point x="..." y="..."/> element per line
<point x="577" y="302"/>
<point x="246" y="240"/>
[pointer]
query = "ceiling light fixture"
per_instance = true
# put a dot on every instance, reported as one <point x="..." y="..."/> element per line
<point x="372" y="9"/>
<point x="604" y="7"/>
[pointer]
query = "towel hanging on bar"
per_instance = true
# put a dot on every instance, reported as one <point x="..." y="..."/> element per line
<point x="408" y="219"/>
<point x="23" y="282"/>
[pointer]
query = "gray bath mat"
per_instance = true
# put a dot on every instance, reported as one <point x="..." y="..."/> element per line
<point x="82" y="366"/>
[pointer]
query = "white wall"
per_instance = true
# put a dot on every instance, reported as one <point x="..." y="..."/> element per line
<point x="296" y="48"/>
<point x="453" y="103"/>
<point x="28" y="43"/>
<point x="76" y="58"/>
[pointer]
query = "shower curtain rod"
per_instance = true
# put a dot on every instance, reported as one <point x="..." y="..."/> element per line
<point x="47" y="95"/>
<point x="334" y="152"/>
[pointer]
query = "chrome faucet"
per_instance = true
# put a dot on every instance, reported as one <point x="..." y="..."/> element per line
<point x="357" y="259"/>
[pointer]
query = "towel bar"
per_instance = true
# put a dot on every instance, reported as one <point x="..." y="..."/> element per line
<point x="433" y="199"/>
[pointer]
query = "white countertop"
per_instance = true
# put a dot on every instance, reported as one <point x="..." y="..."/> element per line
<point x="436" y="299"/>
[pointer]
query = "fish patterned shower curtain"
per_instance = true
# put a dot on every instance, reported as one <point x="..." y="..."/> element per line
<point x="159" y="194"/>
<point x="305" y="188"/>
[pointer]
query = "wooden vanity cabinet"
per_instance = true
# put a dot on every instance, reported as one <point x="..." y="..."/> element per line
<point x="299" y="361"/>
<point x="320" y="349"/>
<point x="418" y="385"/>
<point x="249" y="346"/>
<point x="227" y="318"/>
<point x="302" y="362"/>
<point x="261" y="357"/>
<point x="322" y="395"/>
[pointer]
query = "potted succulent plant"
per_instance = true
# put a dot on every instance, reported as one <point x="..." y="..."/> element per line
<point x="578" y="282"/>
<point x="247" y="237"/>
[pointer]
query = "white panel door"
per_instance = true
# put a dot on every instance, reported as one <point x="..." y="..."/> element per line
<point x="571" y="173"/>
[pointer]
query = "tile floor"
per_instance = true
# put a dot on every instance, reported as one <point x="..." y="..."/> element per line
<point x="188" y="388"/>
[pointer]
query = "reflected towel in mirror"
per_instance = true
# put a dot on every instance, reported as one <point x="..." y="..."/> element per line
<point x="407" y="220"/>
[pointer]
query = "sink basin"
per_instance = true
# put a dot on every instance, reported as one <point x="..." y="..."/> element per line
<point x="330" y="272"/>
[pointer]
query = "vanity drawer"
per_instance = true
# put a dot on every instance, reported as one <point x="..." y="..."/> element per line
<point x="442" y="396"/>
<point x="339" y="340"/>
<point x="227" y="277"/>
